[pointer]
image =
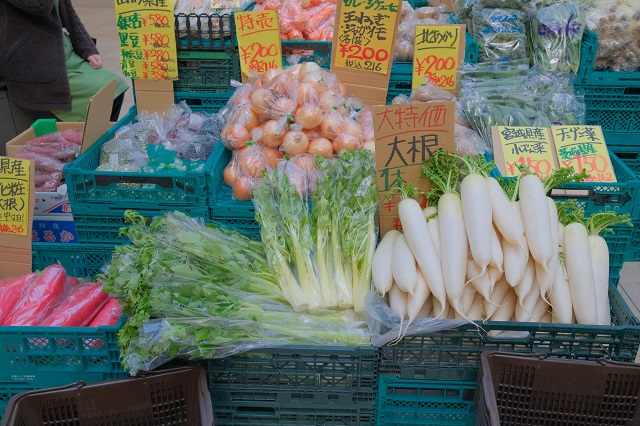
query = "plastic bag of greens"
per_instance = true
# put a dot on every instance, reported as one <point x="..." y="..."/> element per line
<point x="504" y="4"/>
<point x="462" y="10"/>
<point x="500" y="33"/>
<point x="556" y="37"/>
<point x="385" y="326"/>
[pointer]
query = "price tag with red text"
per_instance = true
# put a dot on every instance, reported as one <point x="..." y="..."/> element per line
<point x="528" y="146"/>
<point x="15" y="186"/>
<point x="439" y="49"/>
<point x="365" y="31"/>
<point x="584" y="148"/>
<point x="258" y="40"/>
<point x="147" y="39"/>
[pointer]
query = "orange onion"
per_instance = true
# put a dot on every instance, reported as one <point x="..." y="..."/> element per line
<point x="269" y="75"/>
<point x="321" y="146"/>
<point x="244" y="116"/>
<point x="346" y="141"/>
<point x="230" y="174"/>
<point x="306" y="94"/>
<point x="295" y="143"/>
<point x="242" y="94"/>
<point x="281" y="107"/>
<point x="235" y="136"/>
<point x="370" y="145"/>
<point x="262" y="101"/>
<point x="242" y="188"/>
<point x="283" y="85"/>
<point x="332" y="125"/>
<point x="273" y="133"/>
<point x="308" y="116"/>
<point x="294" y="71"/>
<point x="330" y="100"/>
<point x="253" y="162"/>
<point x="304" y="162"/>
<point x="272" y="155"/>
<point x="311" y="68"/>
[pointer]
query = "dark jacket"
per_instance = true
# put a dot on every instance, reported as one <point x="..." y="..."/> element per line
<point x="32" y="60"/>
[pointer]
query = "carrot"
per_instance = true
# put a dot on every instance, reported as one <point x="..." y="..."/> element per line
<point x="42" y="296"/>
<point x="109" y="314"/>
<point x="295" y="35"/>
<point x="78" y="308"/>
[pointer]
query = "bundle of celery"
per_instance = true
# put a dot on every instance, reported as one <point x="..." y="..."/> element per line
<point x="202" y="292"/>
<point x="322" y="259"/>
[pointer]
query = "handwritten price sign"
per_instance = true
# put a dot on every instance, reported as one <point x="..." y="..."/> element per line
<point x="15" y="185"/>
<point x="365" y="34"/>
<point x="437" y="55"/>
<point x="259" y="41"/>
<point x="584" y="147"/>
<point x="529" y="146"/>
<point x="147" y="39"/>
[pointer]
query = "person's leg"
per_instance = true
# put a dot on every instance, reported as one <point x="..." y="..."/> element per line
<point x="117" y="106"/>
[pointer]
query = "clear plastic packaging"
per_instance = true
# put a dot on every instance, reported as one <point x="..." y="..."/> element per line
<point x="411" y="18"/>
<point x="108" y="315"/>
<point x="500" y="33"/>
<point x="78" y="307"/>
<point x="11" y="291"/>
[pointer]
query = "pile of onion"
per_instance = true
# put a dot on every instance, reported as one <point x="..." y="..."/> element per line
<point x="286" y="115"/>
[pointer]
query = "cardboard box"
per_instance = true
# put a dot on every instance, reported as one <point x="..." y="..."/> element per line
<point x="52" y="203"/>
<point x="54" y="229"/>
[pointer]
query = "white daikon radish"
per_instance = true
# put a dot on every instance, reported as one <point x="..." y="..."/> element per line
<point x="477" y="214"/>
<point x="453" y="245"/>
<point x="480" y="281"/>
<point x="499" y="290"/>
<point x="600" y="262"/>
<point x="525" y="285"/>
<point x="439" y="308"/>
<point x="535" y="218"/>
<point x="510" y="226"/>
<point x="381" y="267"/>
<point x="476" y="312"/>
<point x="427" y="309"/>
<point x="398" y="303"/>
<point x="494" y="275"/>
<point x="547" y="317"/>
<point x="546" y="276"/>
<point x="515" y="257"/>
<point x="429" y="212"/>
<point x="524" y="310"/>
<point x="506" y="310"/>
<point x="403" y="265"/>
<point x="420" y="241"/>
<point x="580" y="272"/>
<point x="416" y="301"/>
<point x="560" y="298"/>
<point x="496" y="251"/>
<point x="468" y="297"/>
<point x="435" y="234"/>
<point x="540" y="310"/>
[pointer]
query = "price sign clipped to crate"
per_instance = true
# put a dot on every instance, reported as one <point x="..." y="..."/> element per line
<point x="528" y="146"/>
<point x="584" y="147"/>
<point x="16" y="214"/>
<point x="364" y="45"/>
<point x="406" y="136"/>
<point x="259" y="41"/>
<point x="439" y="50"/>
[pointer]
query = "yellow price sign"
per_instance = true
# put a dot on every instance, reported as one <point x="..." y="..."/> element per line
<point x="147" y="39"/>
<point x="439" y="49"/>
<point x="365" y="31"/>
<point x="15" y="187"/>
<point x="259" y="41"/>
<point x="584" y="148"/>
<point x="527" y="146"/>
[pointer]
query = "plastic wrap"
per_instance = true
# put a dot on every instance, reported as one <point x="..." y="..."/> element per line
<point x="284" y="114"/>
<point x="500" y="34"/>
<point x="303" y="19"/>
<point x="40" y="298"/>
<point x="41" y="162"/>
<point x="431" y="92"/>
<point x="469" y="142"/>
<point x="556" y="37"/>
<point x="78" y="307"/>
<point x="386" y="327"/>
<point x="11" y="291"/>
<point x="108" y="315"/>
<point x="617" y="24"/>
<point x="407" y="28"/>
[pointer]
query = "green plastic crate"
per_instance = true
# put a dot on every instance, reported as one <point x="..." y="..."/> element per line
<point x="202" y="71"/>
<point x="454" y="354"/>
<point x="314" y="51"/>
<point x="630" y="155"/>
<point x="424" y="402"/>
<point x="205" y="101"/>
<point x="612" y="98"/>
<point x="96" y="224"/>
<point x="295" y="385"/>
<point x="34" y="358"/>
<point x="157" y="191"/>
<point x="79" y="260"/>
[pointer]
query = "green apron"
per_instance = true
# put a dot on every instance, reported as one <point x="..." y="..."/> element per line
<point x="84" y="82"/>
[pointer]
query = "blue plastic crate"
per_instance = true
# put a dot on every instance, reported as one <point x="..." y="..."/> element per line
<point x="205" y="101"/>
<point x="424" y="402"/>
<point x="79" y="260"/>
<point x="612" y="98"/>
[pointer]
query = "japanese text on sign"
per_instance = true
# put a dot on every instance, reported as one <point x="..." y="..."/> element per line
<point x="584" y="147"/>
<point x="259" y="41"/>
<point x="529" y="146"/>
<point x="437" y="55"/>
<point x="406" y="136"/>
<point x="14" y="195"/>
<point x="147" y="39"/>
<point x="365" y="34"/>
